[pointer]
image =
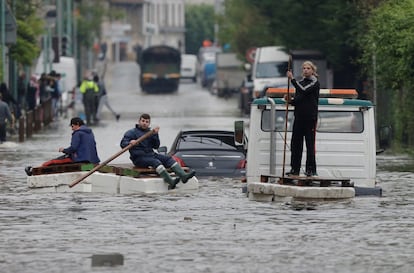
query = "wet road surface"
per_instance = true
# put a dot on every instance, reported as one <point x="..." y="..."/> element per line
<point x="216" y="229"/>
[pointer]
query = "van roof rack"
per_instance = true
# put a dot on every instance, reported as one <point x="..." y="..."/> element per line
<point x="274" y="92"/>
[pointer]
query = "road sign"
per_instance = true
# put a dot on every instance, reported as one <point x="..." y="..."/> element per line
<point x="250" y="53"/>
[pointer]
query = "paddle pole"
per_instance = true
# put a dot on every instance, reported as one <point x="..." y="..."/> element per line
<point x="286" y="120"/>
<point x="97" y="167"/>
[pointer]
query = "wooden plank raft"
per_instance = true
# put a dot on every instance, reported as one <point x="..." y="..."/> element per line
<point x="118" y="169"/>
<point x="62" y="168"/>
<point x="295" y="180"/>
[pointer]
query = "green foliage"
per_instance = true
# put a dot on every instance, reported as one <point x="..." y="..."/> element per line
<point x="29" y="27"/>
<point x="311" y="24"/>
<point x="389" y="38"/>
<point x="26" y="49"/>
<point x="243" y="27"/>
<point x="89" y="22"/>
<point x="199" y="26"/>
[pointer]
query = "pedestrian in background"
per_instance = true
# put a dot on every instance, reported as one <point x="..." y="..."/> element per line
<point x="32" y="93"/>
<point x="306" y="102"/>
<point x="5" y="116"/>
<point x="43" y="93"/>
<point x="89" y="90"/>
<point x="103" y="99"/>
<point x="54" y="90"/>
<point x="21" y="93"/>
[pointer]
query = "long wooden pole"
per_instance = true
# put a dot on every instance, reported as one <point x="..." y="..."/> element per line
<point x="286" y="120"/>
<point x="97" y="167"/>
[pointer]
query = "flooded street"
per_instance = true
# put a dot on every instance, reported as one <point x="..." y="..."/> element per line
<point x="216" y="229"/>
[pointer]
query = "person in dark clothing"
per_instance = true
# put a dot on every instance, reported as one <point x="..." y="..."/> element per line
<point x="82" y="147"/>
<point x="7" y="97"/>
<point x="143" y="155"/>
<point x="89" y="90"/>
<point x="32" y="93"/>
<point x="43" y="84"/>
<point x="103" y="99"/>
<point x="306" y="102"/>
<point x="10" y="101"/>
<point x="5" y="115"/>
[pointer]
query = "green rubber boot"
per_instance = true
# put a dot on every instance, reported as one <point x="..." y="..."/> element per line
<point x="172" y="182"/>
<point x="181" y="173"/>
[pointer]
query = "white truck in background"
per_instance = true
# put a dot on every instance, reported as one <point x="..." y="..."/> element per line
<point x="269" y="69"/>
<point x="229" y="74"/>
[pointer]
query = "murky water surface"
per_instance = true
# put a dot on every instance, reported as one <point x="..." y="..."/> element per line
<point x="216" y="229"/>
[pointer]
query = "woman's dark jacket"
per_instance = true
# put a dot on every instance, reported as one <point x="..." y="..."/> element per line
<point x="306" y="98"/>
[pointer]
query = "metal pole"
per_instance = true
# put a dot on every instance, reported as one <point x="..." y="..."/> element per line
<point x="59" y="24"/>
<point x="3" y="39"/>
<point x="272" y="163"/>
<point x="68" y="30"/>
<point x="75" y="41"/>
<point x="49" y="47"/>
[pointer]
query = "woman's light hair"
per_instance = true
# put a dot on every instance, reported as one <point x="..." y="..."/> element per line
<point x="313" y="66"/>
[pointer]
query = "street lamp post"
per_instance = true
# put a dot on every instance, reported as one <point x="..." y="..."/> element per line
<point x="3" y="39"/>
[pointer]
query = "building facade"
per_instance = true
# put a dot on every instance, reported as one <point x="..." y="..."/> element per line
<point x="147" y="23"/>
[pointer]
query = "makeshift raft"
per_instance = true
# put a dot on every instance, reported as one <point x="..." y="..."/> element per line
<point x="113" y="179"/>
<point x="272" y="188"/>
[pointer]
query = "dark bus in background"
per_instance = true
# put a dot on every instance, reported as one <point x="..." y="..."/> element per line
<point x="160" y="69"/>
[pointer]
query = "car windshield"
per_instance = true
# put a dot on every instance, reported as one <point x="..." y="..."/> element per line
<point x="206" y="142"/>
<point x="271" y="69"/>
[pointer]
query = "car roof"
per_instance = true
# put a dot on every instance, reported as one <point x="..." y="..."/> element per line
<point x="206" y="132"/>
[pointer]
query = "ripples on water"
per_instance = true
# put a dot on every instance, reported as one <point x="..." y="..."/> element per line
<point x="216" y="229"/>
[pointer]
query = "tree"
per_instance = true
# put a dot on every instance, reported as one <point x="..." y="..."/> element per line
<point x="29" y="28"/>
<point x="243" y="27"/>
<point x="199" y="26"/>
<point x="389" y="40"/>
<point x="326" y="27"/>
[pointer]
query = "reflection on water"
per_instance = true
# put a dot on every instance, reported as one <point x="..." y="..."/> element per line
<point x="216" y="229"/>
<point x="402" y="163"/>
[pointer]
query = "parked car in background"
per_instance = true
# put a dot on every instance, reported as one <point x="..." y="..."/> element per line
<point x="210" y="153"/>
<point x="189" y="67"/>
<point x="246" y="94"/>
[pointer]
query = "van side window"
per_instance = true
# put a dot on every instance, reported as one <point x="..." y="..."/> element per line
<point x="328" y="121"/>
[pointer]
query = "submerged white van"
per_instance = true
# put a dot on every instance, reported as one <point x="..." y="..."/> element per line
<point x="269" y="69"/>
<point x="345" y="141"/>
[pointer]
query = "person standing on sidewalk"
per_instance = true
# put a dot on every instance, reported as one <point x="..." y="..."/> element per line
<point x="103" y="99"/>
<point x="5" y="115"/>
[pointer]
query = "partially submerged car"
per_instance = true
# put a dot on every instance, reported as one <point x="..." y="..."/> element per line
<point x="209" y="153"/>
